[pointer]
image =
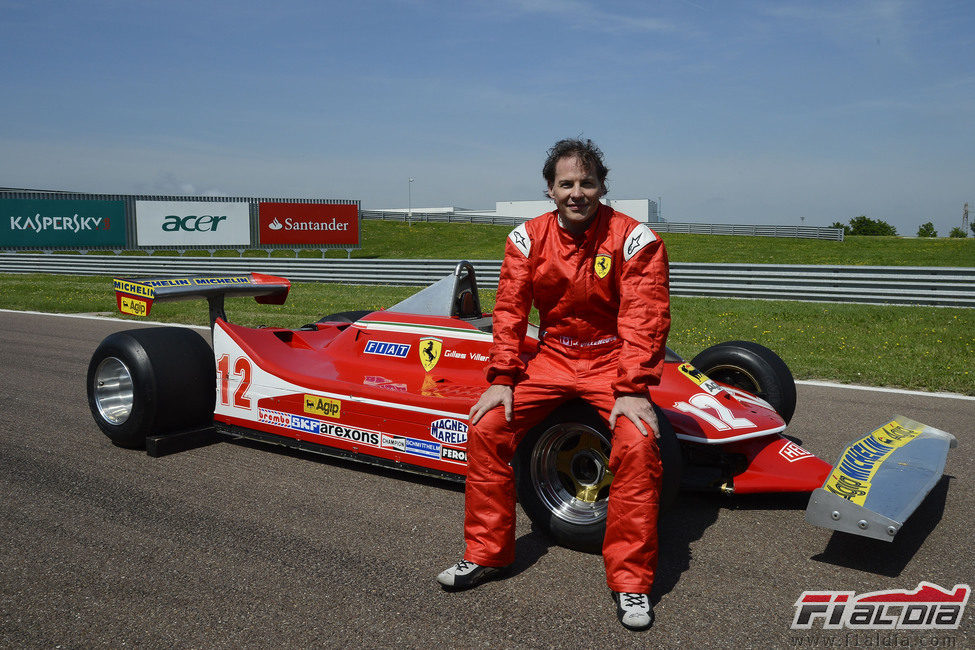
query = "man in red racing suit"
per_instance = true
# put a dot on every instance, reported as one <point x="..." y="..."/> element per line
<point x="600" y="282"/>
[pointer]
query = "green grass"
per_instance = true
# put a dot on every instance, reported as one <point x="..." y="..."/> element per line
<point x="387" y="239"/>
<point x="923" y="348"/>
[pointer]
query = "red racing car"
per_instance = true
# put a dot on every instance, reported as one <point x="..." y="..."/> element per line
<point x="394" y="388"/>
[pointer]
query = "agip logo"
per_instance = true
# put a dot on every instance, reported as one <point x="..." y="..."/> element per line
<point x="318" y="405"/>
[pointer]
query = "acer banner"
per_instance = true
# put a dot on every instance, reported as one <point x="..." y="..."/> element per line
<point x="309" y="224"/>
<point x="50" y="223"/>
<point x="192" y="223"/>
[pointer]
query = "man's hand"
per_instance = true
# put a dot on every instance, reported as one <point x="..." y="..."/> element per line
<point x="495" y="395"/>
<point x="638" y="410"/>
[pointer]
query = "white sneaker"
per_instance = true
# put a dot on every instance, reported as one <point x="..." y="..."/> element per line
<point x="465" y="575"/>
<point x="633" y="610"/>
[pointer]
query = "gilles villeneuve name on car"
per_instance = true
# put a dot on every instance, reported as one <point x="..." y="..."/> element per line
<point x="927" y="607"/>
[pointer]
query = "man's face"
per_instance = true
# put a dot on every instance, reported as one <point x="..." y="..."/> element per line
<point x="576" y="193"/>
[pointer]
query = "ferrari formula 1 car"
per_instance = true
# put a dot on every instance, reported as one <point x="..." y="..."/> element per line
<point x="394" y="388"/>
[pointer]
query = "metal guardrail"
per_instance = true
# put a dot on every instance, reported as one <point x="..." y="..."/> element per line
<point x="799" y="232"/>
<point x="473" y="216"/>
<point x="899" y="285"/>
<point x="467" y="216"/>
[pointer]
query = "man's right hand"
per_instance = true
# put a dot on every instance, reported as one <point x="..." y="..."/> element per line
<point x="496" y="394"/>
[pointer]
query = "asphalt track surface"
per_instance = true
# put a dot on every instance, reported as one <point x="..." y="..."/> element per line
<point x="245" y="545"/>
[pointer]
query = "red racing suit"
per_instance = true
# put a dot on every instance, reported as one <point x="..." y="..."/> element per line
<point x="604" y="309"/>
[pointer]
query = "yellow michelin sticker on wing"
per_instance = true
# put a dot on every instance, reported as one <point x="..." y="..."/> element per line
<point x="134" y="288"/>
<point x="857" y="466"/>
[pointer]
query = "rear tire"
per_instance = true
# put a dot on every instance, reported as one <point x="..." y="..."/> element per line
<point x="752" y="368"/>
<point x="151" y="381"/>
<point x="562" y="477"/>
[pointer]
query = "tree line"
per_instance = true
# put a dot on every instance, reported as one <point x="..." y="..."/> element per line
<point x="864" y="225"/>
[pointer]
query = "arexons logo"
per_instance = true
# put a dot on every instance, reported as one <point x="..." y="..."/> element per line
<point x="39" y="224"/>
<point x="927" y="607"/>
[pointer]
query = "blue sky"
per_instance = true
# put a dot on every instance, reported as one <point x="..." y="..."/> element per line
<point x="731" y="112"/>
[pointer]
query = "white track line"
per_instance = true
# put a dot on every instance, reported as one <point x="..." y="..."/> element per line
<point x="94" y="317"/>
<point x="878" y="389"/>
<point x="804" y="382"/>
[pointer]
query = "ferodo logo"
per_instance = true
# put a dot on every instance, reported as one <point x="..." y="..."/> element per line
<point x="330" y="408"/>
<point x="191" y="223"/>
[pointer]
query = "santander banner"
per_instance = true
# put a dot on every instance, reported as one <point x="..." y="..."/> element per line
<point x="313" y="224"/>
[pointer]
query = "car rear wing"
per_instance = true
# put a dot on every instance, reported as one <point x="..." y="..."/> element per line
<point x="881" y="479"/>
<point x="136" y="296"/>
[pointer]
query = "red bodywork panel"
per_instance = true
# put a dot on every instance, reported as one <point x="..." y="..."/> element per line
<point x="397" y="388"/>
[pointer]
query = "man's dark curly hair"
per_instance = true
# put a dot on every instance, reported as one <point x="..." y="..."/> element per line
<point x="589" y="154"/>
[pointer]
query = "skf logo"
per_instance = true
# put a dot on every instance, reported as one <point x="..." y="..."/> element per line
<point x="430" y="352"/>
<point x="602" y="264"/>
<point x="928" y="607"/>
<point x="330" y="408"/>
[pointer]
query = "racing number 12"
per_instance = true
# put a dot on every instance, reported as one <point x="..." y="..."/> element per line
<point x="242" y="368"/>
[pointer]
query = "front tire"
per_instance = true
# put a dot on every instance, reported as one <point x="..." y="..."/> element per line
<point x="752" y="368"/>
<point x="563" y="477"/>
<point x="151" y="381"/>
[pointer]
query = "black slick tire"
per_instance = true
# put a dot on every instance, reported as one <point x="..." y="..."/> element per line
<point x="752" y="368"/>
<point x="151" y="381"/>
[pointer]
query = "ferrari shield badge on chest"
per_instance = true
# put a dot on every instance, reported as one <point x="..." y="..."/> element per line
<point x="602" y="264"/>
<point x="430" y="352"/>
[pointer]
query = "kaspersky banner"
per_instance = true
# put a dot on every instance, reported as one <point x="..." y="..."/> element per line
<point x="47" y="223"/>
<point x="192" y="223"/>
<point x="309" y="224"/>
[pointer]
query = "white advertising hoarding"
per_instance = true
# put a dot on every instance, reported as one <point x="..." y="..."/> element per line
<point x="192" y="223"/>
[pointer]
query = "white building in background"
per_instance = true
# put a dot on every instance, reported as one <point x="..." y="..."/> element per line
<point x="640" y="209"/>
